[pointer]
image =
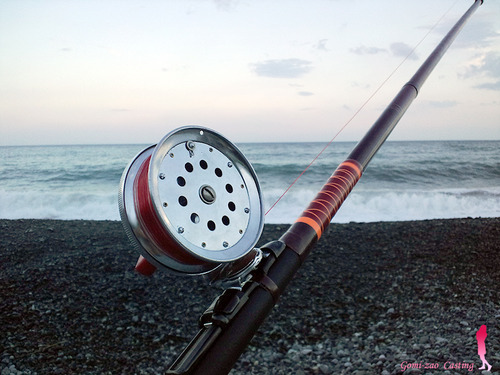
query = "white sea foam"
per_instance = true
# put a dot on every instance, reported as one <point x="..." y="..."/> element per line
<point x="428" y="180"/>
<point x="359" y="206"/>
<point x="396" y="206"/>
<point x="57" y="205"/>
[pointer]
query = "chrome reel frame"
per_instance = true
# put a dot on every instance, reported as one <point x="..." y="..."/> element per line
<point x="192" y="205"/>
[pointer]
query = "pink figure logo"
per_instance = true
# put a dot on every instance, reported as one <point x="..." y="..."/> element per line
<point x="481" y="346"/>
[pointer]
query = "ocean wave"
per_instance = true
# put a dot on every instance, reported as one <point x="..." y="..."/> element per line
<point x="360" y="206"/>
<point x="59" y="205"/>
<point x="371" y="206"/>
<point x="406" y="181"/>
<point x="389" y="176"/>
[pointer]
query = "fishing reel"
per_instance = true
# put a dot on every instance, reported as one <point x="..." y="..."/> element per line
<point x="192" y="205"/>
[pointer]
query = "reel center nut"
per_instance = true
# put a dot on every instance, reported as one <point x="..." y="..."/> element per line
<point x="207" y="194"/>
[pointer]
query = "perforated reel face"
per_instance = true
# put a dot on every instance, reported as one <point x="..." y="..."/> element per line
<point x="206" y="199"/>
<point x="203" y="197"/>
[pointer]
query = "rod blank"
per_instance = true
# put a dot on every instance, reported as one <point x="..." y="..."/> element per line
<point x="219" y="345"/>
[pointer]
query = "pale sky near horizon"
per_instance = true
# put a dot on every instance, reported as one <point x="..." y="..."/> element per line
<point x="130" y="71"/>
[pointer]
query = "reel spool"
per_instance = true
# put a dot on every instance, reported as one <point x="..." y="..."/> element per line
<point x="192" y="205"/>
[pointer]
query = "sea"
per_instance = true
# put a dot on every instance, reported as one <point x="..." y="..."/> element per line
<point x="414" y="180"/>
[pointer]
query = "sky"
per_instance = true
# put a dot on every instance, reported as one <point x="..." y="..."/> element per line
<point x="130" y="71"/>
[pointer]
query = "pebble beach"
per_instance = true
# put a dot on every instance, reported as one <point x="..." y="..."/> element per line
<point x="372" y="298"/>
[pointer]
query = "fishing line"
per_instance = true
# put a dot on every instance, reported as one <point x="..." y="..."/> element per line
<point x="364" y="104"/>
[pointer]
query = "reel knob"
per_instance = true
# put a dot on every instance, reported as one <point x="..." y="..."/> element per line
<point x="192" y="205"/>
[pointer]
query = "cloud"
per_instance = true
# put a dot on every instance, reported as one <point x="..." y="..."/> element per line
<point x="485" y="66"/>
<point x="364" y="50"/>
<point x="321" y="46"/>
<point x="360" y="85"/>
<point x="305" y="93"/>
<point x="489" y="86"/>
<point x="402" y="49"/>
<point x="481" y="32"/>
<point x="225" y="5"/>
<point x="282" y="68"/>
<point x="397" y="49"/>
<point x="489" y="65"/>
<point x="221" y="5"/>
<point x="442" y="103"/>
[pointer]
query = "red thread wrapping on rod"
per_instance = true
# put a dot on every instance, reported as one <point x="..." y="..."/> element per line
<point x="326" y="204"/>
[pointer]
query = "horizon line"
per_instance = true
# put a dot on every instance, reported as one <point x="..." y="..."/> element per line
<point x="253" y="142"/>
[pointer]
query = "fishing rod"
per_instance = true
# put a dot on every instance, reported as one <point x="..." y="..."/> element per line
<point x="192" y="205"/>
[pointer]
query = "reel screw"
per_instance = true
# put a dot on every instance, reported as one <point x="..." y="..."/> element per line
<point x="190" y="147"/>
<point x="229" y="164"/>
<point x="225" y="244"/>
<point x="247" y="210"/>
<point x="180" y="230"/>
<point x="162" y="176"/>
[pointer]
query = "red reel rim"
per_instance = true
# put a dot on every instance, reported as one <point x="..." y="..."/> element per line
<point x="150" y="221"/>
<point x="139" y="234"/>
